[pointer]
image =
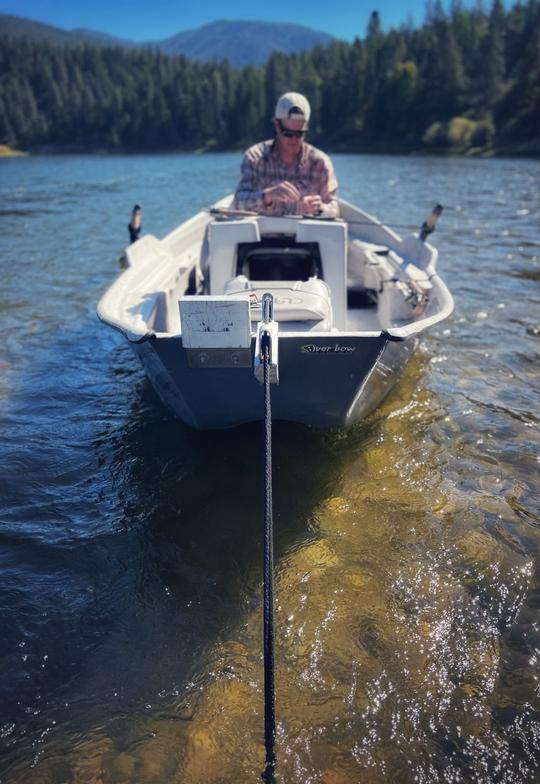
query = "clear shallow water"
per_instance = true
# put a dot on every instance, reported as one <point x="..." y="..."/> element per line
<point x="407" y="550"/>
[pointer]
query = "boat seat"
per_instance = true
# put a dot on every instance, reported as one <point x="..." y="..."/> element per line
<point x="294" y="301"/>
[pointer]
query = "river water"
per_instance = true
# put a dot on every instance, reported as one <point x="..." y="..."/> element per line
<point x="407" y="549"/>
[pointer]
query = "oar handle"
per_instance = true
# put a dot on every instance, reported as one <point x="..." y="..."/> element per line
<point x="429" y="224"/>
<point x="134" y="226"/>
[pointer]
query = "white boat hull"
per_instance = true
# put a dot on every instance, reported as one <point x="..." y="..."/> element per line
<point x="346" y="326"/>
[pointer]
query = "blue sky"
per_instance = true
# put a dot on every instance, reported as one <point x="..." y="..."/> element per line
<point x="154" y="19"/>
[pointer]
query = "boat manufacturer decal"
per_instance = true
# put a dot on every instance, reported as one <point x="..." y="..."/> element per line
<point x="335" y="348"/>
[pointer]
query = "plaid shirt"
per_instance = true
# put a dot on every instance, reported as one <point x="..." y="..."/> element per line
<point x="313" y="175"/>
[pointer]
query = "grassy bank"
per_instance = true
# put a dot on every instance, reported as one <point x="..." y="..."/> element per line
<point x="9" y="152"/>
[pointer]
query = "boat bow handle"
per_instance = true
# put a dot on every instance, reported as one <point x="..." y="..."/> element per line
<point x="267" y="335"/>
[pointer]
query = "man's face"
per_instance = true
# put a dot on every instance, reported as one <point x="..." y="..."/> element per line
<point x="286" y="142"/>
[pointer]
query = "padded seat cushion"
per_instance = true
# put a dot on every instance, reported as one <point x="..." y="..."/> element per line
<point x="293" y="301"/>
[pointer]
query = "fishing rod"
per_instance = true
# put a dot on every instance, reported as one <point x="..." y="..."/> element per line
<point x="427" y="227"/>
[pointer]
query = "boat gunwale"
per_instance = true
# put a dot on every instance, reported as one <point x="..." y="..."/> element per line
<point x="200" y="221"/>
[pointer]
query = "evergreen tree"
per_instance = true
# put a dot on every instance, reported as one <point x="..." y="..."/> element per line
<point x="494" y="52"/>
<point x="464" y="77"/>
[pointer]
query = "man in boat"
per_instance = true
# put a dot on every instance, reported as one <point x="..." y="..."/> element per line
<point x="286" y="175"/>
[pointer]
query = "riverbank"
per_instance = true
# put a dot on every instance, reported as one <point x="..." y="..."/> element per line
<point x="524" y="150"/>
<point x="529" y="149"/>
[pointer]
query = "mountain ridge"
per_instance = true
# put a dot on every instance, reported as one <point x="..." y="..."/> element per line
<point x="240" y="42"/>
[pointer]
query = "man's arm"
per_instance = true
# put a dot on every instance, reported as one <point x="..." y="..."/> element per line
<point x="329" y="186"/>
<point x="249" y="195"/>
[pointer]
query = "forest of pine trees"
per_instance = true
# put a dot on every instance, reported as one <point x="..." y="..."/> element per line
<point x="467" y="79"/>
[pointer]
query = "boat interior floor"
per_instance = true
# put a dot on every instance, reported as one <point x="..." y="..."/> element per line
<point x="363" y="320"/>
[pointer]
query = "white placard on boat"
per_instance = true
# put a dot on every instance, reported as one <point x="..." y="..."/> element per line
<point x="217" y="321"/>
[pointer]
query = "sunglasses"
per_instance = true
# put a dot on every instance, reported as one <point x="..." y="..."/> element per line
<point x="288" y="133"/>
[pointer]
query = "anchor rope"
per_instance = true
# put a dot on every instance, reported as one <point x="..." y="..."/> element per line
<point x="268" y="633"/>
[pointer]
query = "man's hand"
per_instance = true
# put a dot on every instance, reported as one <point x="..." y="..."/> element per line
<point x="310" y="205"/>
<point x="284" y="192"/>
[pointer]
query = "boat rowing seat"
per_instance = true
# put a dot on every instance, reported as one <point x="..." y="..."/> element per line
<point x="298" y="305"/>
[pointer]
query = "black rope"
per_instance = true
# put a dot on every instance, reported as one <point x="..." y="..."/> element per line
<point x="269" y="775"/>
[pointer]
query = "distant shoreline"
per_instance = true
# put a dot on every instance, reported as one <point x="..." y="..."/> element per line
<point x="530" y="150"/>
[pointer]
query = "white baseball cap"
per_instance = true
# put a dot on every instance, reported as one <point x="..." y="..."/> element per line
<point x="293" y="106"/>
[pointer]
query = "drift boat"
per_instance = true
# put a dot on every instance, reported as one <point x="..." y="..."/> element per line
<point x="350" y="300"/>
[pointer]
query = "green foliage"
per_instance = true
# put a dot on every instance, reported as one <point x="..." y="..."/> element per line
<point x="460" y="133"/>
<point x="465" y="79"/>
<point x="435" y="135"/>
